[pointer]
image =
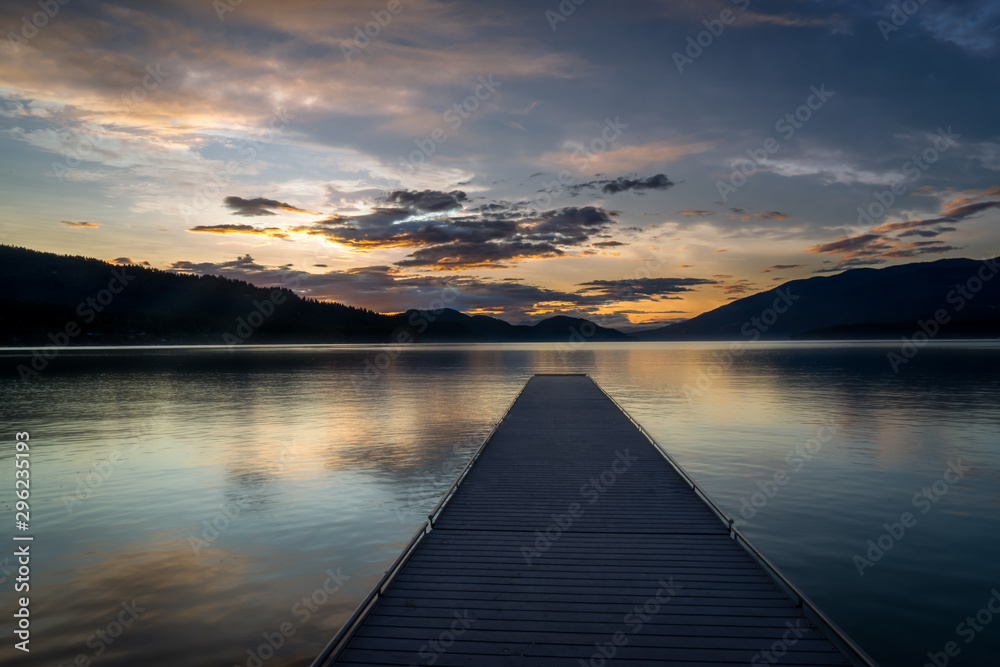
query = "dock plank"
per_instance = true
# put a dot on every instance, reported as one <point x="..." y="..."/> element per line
<point x="572" y="535"/>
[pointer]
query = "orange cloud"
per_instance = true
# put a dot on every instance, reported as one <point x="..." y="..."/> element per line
<point x="969" y="198"/>
<point x="80" y="225"/>
<point x="271" y="232"/>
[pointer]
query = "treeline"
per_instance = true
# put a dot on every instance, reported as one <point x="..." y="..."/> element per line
<point x="63" y="300"/>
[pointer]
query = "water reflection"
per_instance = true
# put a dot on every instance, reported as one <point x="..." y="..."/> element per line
<point x="329" y="468"/>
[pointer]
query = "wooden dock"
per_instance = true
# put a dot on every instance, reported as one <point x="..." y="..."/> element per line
<point x="572" y="539"/>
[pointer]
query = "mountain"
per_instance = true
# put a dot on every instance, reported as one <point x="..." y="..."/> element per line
<point x="963" y="294"/>
<point x="453" y="326"/>
<point x="63" y="300"/>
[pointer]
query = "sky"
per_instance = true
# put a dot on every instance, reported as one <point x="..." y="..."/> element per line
<point x="635" y="162"/>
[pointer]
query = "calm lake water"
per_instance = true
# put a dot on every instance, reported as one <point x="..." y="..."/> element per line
<point x="316" y="468"/>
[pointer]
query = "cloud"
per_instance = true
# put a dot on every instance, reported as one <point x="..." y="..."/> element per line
<point x="607" y="244"/>
<point x="875" y="246"/>
<point x="623" y="184"/>
<point x="624" y="159"/>
<point x="389" y="289"/>
<point x="969" y="197"/>
<point x="958" y="211"/>
<point x="885" y="241"/>
<point x="737" y="287"/>
<point x="643" y="288"/>
<point x="970" y="26"/>
<point x="428" y="200"/>
<point x="927" y="233"/>
<point x="771" y="215"/>
<point x="495" y="255"/>
<point x="80" y="225"/>
<point x="128" y="260"/>
<point x="273" y="232"/>
<point x="849" y="244"/>
<point x="744" y="215"/>
<point x="699" y="213"/>
<point x="782" y="267"/>
<point x="490" y="239"/>
<point x="260" y="206"/>
<point x="568" y="226"/>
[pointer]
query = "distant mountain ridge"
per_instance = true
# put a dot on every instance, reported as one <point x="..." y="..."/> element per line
<point x="59" y="299"/>
<point x="65" y="300"/>
<point x="858" y="303"/>
<point x="455" y="325"/>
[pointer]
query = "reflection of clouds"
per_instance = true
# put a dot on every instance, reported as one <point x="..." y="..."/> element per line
<point x="205" y="603"/>
<point x="880" y="416"/>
